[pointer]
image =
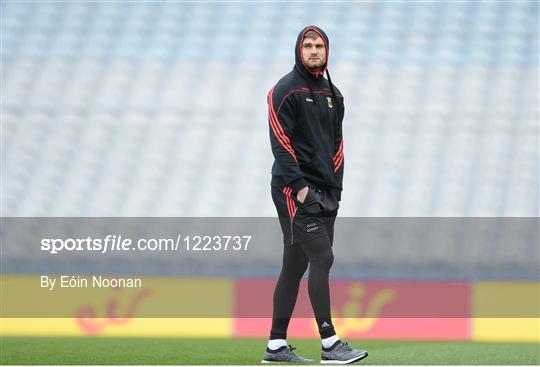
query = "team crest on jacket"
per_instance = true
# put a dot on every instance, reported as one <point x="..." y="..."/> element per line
<point x="329" y="100"/>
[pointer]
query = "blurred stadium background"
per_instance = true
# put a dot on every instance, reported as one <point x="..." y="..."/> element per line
<point x="118" y="109"/>
<point x="147" y="109"/>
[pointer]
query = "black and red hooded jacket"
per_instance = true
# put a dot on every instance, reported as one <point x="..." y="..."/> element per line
<point x="305" y="112"/>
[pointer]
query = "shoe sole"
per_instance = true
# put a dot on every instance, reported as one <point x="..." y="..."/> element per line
<point x="349" y="361"/>
<point x="278" y="362"/>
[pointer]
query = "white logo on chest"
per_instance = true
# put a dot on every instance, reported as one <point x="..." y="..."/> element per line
<point x="309" y="100"/>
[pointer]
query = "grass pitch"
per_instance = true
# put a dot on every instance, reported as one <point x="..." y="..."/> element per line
<point x="157" y="351"/>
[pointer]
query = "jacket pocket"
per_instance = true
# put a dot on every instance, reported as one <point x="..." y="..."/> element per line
<point x="306" y="154"/>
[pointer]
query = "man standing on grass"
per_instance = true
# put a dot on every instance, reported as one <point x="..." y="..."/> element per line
<point x="305" y="115"/>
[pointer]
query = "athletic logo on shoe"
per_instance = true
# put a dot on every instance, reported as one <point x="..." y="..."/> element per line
<point x="325" y="324"/>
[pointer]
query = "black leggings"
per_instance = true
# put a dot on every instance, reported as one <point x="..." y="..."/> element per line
<point x="307" y="241"/>
<point x="318" y="254"/>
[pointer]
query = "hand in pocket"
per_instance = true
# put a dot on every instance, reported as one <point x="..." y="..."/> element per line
<point x="312" y="204"/>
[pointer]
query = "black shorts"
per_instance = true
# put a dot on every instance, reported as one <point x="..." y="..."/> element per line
<point x="305" y="221"/>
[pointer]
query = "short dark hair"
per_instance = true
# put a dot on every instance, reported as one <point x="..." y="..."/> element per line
<point x="311" y="34"/>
